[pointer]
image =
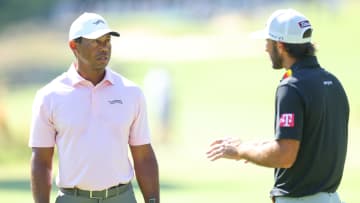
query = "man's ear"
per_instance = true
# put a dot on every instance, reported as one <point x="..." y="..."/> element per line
<point x="72" y="44"/>
<point x="281" y="47"/>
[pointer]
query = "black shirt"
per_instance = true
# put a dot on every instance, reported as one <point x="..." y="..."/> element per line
<point x="312" y="107"/>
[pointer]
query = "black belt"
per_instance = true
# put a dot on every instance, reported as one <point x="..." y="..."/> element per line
<point x="102" y="194"/>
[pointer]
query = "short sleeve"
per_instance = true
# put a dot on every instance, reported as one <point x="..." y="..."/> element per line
<point x="139" y="130"/>
<point x="42" y="131"/>
<point x="289" y="113"/>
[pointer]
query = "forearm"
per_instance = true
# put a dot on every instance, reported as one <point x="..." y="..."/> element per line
<point x="263" y="154"/>
<point x="273" y="154"/>
<point x="41" y="172"/>
<point x="147" y="175"/>
<point x="280" y="153"/>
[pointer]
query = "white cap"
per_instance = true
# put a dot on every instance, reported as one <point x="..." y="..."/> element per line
<point x="285" y="25"/>
<point x="90" y="26"/>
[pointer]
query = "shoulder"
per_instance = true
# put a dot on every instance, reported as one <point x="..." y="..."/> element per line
<point x="305" y="76"/>
<point x="121" y="80"/>
<point x="291" y="83"/>
<point x="125" y="85"/>
<point x="53" y="87"/>
<point x="290" y="87"/>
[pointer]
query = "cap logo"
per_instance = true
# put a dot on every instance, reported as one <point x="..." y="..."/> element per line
<point x="280" y="38"/>
<point x="98" y="22"/>
<point x="304" y="24"/>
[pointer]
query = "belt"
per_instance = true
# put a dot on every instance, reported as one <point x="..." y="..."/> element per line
<point x="317" y="197"/>
<point x="102" y="194"/>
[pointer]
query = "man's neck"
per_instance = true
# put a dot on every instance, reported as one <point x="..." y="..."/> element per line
<point x="288" y="62"/>
<point x="94" y="75"/>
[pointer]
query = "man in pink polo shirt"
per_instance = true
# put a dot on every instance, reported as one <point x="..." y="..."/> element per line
<point x="92" y="114"/>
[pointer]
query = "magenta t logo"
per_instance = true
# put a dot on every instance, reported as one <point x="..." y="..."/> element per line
<point x="287" y="120"/>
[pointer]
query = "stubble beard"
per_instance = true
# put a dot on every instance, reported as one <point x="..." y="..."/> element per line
<point x="276" y="59"/>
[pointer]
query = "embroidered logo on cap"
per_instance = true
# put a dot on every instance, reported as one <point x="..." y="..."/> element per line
<point x="98" y="22"/>
<point x="287" y="120"/>
<point x="304" y="24"/>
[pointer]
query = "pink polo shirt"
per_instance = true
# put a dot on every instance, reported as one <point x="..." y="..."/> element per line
<point x="91" y="127"/>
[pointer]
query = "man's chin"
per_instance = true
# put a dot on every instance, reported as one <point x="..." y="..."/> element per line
<point x="102" y="64"/>
<point x="277" y="67"/>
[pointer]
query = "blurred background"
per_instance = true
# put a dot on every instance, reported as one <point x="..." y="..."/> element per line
<point x="202" y="75"/>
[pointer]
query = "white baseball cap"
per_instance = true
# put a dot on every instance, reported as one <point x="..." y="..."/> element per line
<point x="90" y="26"/>
<point x="286" y="25"/>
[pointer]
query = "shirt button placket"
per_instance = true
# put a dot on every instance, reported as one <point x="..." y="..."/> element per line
<point x="93" y="101"/>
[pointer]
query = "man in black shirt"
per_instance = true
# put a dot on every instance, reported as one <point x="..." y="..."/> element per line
<point x="311" y="119"/>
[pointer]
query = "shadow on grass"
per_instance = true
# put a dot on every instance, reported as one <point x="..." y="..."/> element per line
<point x="24" y="185"/>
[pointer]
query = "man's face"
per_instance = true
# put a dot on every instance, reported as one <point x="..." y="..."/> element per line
<point x="94" y="53"/>
<point x="275" y="57"/>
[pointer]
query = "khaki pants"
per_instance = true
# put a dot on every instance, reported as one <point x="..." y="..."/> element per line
<point x="321" y="197"/>
<point x="124" y="197"/>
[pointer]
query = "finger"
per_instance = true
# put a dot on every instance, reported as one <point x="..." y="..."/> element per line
<point x="214" y="150"/>
<point x="218" y="141"/>
<point x="216" y="156"/>
<point x="215" y="147"/>
<point x="216" y="153"/>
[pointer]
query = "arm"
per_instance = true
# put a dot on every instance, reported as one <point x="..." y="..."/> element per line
<point x="147" y="172"/>
<point x="280" y="153"/>
<point x="275" y="154"/>
<point x="41" y="170"/>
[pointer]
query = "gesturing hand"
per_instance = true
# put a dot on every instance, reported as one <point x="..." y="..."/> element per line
<point x="224" y="148"/>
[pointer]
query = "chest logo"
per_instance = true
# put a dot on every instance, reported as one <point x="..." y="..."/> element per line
<point x="327" y="82"/>
<point x="287" y="120"/>
<point x="115" y="101"/>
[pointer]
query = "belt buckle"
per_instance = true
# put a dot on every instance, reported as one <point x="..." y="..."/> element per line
<point x="94" y="197"/>
<point x="91" y="195"/>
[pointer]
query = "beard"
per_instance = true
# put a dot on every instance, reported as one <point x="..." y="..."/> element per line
<point x="276" y="59"/>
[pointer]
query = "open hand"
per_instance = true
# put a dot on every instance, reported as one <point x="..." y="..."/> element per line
<point x="224" y="148"/>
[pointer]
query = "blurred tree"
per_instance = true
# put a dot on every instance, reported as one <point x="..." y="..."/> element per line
<point x="12" y="11"/>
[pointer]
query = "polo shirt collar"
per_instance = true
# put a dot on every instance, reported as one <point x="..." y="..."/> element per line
<point x="307" y="62"/>
<point x="76" y="78"/>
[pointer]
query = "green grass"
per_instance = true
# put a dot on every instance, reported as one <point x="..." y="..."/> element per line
<point x="185" y="179"/>
<point x="214" y="98"/>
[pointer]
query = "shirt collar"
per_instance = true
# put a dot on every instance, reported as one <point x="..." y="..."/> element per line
<point x="76" y="78"/>
<point x="307" y="62"/>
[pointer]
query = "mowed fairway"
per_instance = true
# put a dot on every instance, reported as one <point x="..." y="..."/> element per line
<point x="214" y="97"/>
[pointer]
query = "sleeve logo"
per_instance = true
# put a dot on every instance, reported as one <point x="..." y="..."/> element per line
<point x="287" y="120"/>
